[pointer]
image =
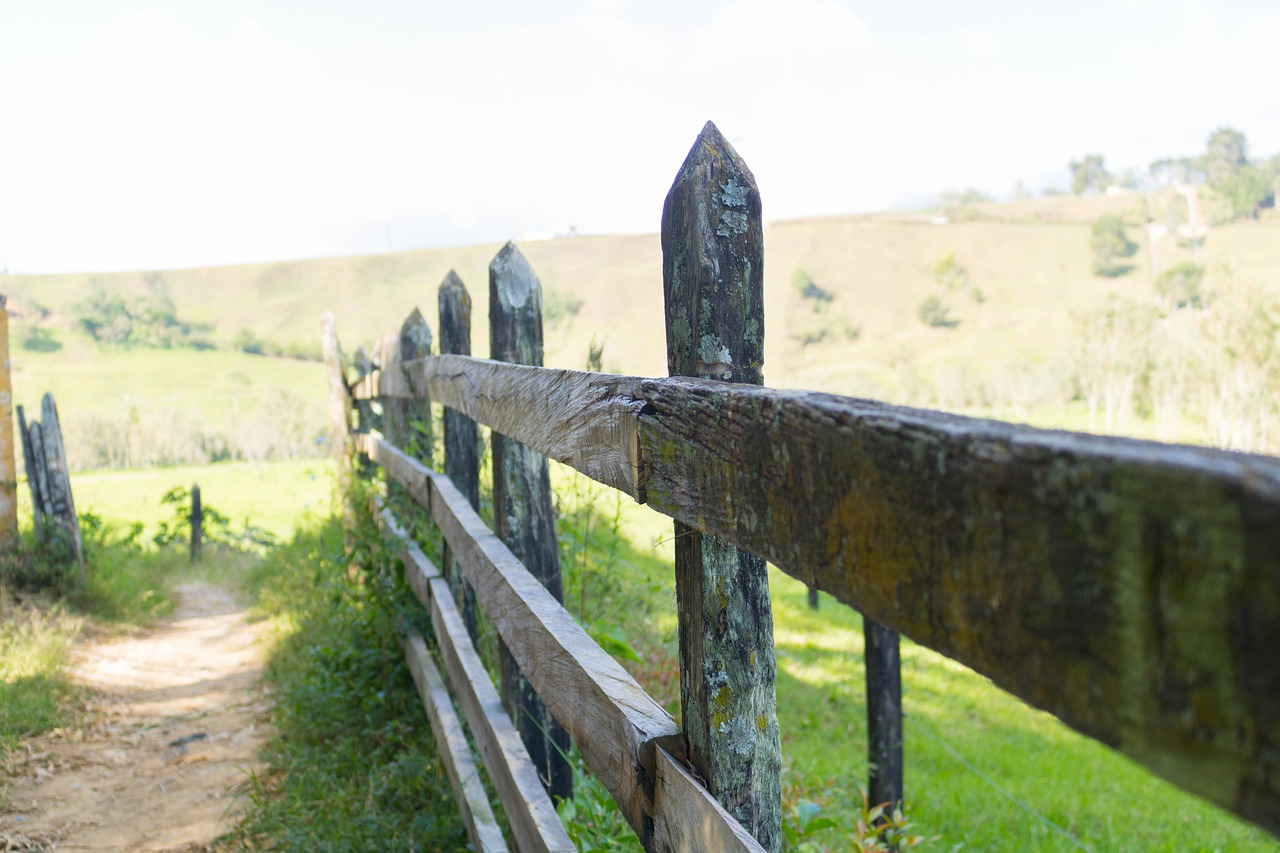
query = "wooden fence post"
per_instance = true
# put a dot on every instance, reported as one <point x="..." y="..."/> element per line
<point x="713" y="280"/>
<point x="33" y="480"/>
<point x="461" y="438"/>
<point x="8" y="464"/>
<point x="524" y="514"/>
<point x="884" y="714"/>
<point x="197" y="524"/>
<point x="408" y="422"/>
<point x="61" y="504"/>
<point x="339" y="398"/>
<point x="41" y="473"/>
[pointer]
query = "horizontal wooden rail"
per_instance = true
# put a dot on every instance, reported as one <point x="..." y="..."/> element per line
<point x="473" y="803"/>
<point x="1130" y="588"/>
<point x="614" y="723"/>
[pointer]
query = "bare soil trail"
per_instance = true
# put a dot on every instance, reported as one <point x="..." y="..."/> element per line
<point x="176" y="716"/>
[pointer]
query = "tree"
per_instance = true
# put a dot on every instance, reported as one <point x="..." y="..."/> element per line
<point x="1109" y="243"/>
<point x="1227" y="152"/>
<point x="1089" y="173"/>
<point x="1179" y="286"/>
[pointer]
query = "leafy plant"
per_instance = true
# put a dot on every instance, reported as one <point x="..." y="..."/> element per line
<point x="934" y="312"/>
<point x="215" y="528"/>
<point x="1110" y="244"/>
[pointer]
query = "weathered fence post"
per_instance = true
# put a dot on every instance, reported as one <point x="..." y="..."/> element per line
<point x="366" y="420"/>
<point x="461" y="438"/>
<point x="33" y="480"/>
<point x="524" y="514"/>
<point x="884" y="714"/>
<point x="197" y="524"/>
<point x="408" y="422"/>
<point x="8" y="464"/>
<point x="713" y="280"/>
<point x="62" y="505"/>
<point x="339" y="398"/>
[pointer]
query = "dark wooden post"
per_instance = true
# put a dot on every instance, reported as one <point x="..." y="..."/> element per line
<point x="33" y="479"/>
<point x="412" y="417"/>
<point x="339" y="398"/>
<point x="524" y="514"/>
<point x="59" y="477"/>
<point x="813" y="598"/>
<point x="366" y="420"/>
<point x="713" y="279"/>
<point x="197" y="524"/>
<point x="41" y="473"/>
<point x="884" y="714"/>
<point x="461" y="438"/>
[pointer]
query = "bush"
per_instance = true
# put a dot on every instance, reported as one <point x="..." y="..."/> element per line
<point x="39" y="339"/>
<point x="1179" y="286"/>
<point x="934" y="312"/>
<point x="1109" y="243"/>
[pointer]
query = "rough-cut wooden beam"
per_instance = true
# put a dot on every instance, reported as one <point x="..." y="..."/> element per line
<point x="614" y="723"/>
<point x="530" y="812"/>
<point x="523" y="510"/>
<point x="687" y="817"/>
<point x="409" y="420"/>
<point x="1128" y="587"/>
<point x="461" y="437"/>
<point x="41" y="473"/>
<point x="585" y="420"/>
<point x="713" y="280"/>
<point x="473" y="803"/>
<point x="62" y="503"/>
<point x="1131" y="589"/>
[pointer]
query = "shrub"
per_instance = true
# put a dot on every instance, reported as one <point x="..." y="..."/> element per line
<point x="1109" y="244"/>
<point x="1179" y="286"/>
<point x="934" y="312"/>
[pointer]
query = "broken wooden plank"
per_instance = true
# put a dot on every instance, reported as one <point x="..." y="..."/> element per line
<point x="529" y="810"/>
<point x="455" y="753"/>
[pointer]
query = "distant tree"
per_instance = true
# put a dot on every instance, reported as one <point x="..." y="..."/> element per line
<point x="1109" y="244"/>
<point x="948" y="272"/>
<point x="1226" y="153"/>
<point x="972" y="195"/>
<point x="803" y="285"/>
<point x="934" y="312"/>
<point x="1089" y="173"/>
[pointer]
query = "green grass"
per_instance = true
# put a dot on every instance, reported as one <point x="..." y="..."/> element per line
<point x="34" y="689"/>
<point x="353" y="765"/>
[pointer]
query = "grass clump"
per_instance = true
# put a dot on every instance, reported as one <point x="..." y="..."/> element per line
<point x="34" y="689"/>
<point x="353" y="765"/>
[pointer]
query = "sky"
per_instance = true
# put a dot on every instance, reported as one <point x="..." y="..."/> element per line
<point x="176" y="134"/>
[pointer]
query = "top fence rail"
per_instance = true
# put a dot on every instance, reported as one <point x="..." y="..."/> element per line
<point x="1132" y="589"/>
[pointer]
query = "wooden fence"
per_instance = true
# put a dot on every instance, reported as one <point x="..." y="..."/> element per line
<point x="1129" y="588"/>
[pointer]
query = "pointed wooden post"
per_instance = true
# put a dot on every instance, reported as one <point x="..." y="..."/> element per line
<point x="713" y="280"/>
<point x="524" y="514"/>
<point x="41" y="473"/>
<point x="366" y="420"/>
<point x="408" y="422"/>
<point x="461" y="438"/>
<point x="62" y="505"/>
<point x="8" y="464"/>
<point x="197" y="524"/>
<point x="33" y="480"/>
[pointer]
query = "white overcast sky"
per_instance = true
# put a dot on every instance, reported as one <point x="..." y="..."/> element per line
<point x="162" y="134"/>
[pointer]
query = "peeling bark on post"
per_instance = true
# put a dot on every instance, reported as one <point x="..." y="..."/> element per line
<point x="713" y="276"/>
<point x="461" y="437"/>
<point x="524" y="514"/>
<point x="8" y="464"/>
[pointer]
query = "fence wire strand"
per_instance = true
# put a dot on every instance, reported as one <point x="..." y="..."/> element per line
<point x="968" y="765"/>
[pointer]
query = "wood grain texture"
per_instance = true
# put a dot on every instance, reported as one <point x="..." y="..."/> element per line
<point x="461" y="436"/>
<point x="62" y="504"/>
<point x="1130" y="588"/>
<point x="585" y="420"/>
<point x="523" y="510"/>
<point x="408" y="420"/>
<point x="41" y="472"/>
<point x="473" y="803"/>
<point x="29" y="466"/>
<point x="529" y="810"/>
<point x="713" y="282"/>
<point x="687" y="817"/>
<point x="611" y="719"/>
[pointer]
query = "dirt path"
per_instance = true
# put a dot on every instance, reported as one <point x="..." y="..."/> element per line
<point x="176" y="717"/>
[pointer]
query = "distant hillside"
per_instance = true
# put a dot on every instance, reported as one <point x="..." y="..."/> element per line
<point x="1026" y="269"/>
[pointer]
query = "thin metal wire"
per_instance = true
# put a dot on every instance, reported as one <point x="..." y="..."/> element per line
<point x="995" y="785"/>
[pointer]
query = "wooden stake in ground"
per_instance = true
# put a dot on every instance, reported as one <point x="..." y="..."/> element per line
<point x="8" y="465"/>
<point x="62" y="505"/>
<point x="29" y="465"/>
<point x="197" y="524"/>
<point x="713" y="280"/>
<point x="461" y="438"/>
<point x="524" y="514"/>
